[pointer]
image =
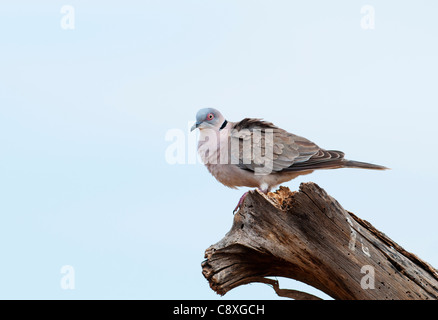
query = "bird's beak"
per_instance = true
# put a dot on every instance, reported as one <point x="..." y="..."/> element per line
<point x="196" y="125"/>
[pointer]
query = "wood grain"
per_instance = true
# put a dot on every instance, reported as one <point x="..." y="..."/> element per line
<point x="309" y="237"/>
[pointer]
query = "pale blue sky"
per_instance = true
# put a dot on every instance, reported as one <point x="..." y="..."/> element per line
<point x="84" y="112"/>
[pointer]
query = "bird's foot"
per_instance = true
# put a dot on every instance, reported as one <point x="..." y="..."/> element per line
<point x="239" y="204"/>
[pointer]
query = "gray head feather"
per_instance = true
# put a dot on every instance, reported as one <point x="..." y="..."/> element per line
<point x="208" y="118"/>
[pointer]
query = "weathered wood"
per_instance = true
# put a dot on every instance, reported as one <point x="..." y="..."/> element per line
<point x="309" y="237"/>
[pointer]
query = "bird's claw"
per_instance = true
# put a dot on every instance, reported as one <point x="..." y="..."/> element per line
<point x="239" y="204"/>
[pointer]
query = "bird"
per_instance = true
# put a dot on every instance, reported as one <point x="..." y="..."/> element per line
<point x="257" y="154"/>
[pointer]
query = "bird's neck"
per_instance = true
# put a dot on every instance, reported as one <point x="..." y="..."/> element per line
<point x="223" y="124"/>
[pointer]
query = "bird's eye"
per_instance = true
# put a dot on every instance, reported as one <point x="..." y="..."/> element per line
<point x="210" y="116"/>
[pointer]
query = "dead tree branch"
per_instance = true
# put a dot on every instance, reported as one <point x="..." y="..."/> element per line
<point x="309" y="237"/>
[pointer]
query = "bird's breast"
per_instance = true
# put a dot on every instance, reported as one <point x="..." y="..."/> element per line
<point x="232" y="176"/>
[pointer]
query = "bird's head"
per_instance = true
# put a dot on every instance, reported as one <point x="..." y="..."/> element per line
<point x="208" y="118"/>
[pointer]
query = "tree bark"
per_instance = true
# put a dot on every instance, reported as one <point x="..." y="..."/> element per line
<point x="309" y="237"/>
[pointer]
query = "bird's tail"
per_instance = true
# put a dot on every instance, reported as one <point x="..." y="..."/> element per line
<point x="363" y="165"/>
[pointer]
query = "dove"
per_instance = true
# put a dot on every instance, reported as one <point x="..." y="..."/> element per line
<point x="257" y="154"/>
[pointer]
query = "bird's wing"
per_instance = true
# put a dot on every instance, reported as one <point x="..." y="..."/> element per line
<point x="261" y="142"/>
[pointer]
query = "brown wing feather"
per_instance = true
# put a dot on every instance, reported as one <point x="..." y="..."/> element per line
<point x="289" y="152"/>
<point x="324" y="159"/>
